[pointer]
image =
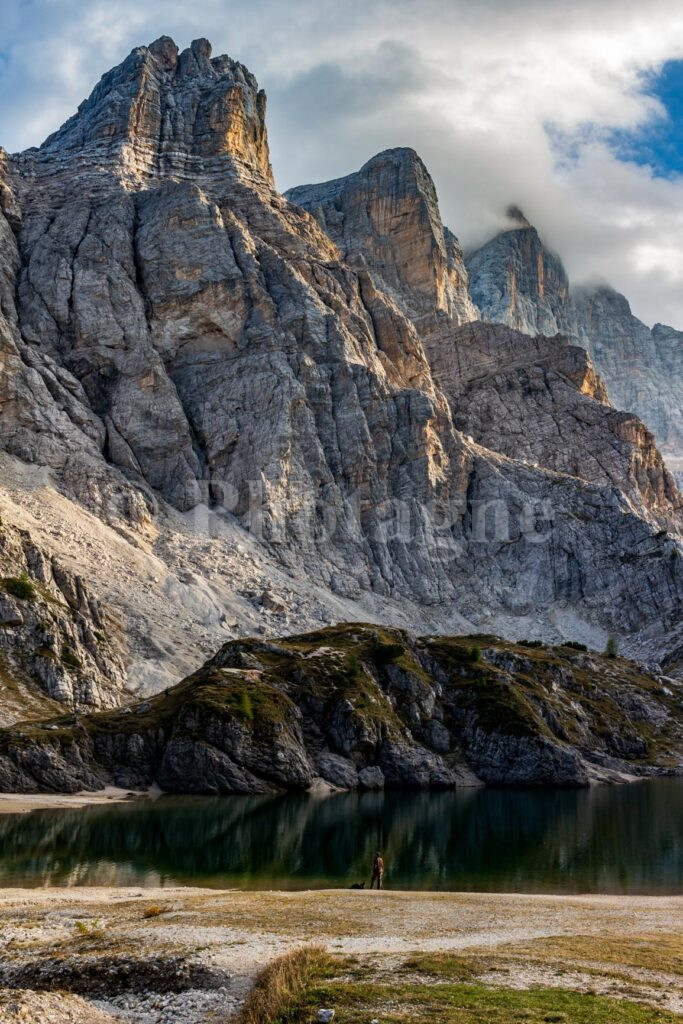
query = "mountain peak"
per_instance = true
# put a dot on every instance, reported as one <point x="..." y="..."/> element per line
<point x="385" y="218"/>
<point x="166" y="112"/>
<point x="514" y="214"/>
<point x="165" y="51"/>
<point x="517" y="281"/>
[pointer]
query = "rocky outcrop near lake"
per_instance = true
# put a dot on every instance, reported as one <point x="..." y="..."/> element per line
<point x="356" y="706"/>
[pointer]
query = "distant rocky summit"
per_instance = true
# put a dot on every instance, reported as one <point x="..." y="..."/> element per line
<point x="234" y="412"/>
<point x="516" y="280"/>
<point x="363" y="707"/>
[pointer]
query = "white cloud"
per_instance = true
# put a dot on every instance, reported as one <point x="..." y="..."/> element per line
<point x="473" y="87"/>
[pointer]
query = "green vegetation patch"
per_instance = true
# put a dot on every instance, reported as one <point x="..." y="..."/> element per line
<point x="248" y="698"/>
<point x="19" y="586"/>
<point x="358" y="1003"/>
<point x="69" y="658"/>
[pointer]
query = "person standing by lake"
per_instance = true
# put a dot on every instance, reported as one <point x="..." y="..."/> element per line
<point x="377" y="871"/>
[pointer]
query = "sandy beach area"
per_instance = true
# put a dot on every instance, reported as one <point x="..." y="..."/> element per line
<point x="22" y="803"/>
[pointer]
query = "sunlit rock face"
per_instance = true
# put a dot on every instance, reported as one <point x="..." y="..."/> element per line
<point x="174" y="333"/>
<point x="386" y="218"/>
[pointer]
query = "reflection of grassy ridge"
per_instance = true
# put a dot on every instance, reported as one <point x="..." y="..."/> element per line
<point x="605" y="839"/>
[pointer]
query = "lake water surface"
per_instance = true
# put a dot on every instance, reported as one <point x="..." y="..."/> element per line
<point x="625" y="839"/>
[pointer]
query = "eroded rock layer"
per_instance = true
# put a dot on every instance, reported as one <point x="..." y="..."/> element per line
<point x="515" y="280"/>
<point x="58" y="645"/>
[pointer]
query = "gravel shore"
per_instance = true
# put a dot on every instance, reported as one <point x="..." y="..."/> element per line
<point x="188" y="956"/>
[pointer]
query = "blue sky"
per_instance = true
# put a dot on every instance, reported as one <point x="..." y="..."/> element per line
<point x="573" y="109"/>
<point x="658" y="143"/>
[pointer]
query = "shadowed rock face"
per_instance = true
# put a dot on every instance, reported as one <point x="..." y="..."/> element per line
<point x="643" y="367"/>
<point x="361" y="707"/>
<point x="173" y="330"/>
<point x="540" y="399"/>
<point x="516" y="281"/>
<point x="58" y="645"/>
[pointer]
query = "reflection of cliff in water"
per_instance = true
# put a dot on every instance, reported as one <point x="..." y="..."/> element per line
<point x="627" y="838"/>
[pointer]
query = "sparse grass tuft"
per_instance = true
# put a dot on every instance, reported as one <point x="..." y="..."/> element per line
<point x="280" y="986"/>
<point x="154" y="911"/>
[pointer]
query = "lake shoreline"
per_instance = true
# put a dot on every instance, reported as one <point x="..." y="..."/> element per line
<point x="24" y="803"/>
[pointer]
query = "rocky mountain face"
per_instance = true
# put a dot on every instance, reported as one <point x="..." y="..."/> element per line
<point x="294" y="384"/>
<point x="539" y="399"/>
<point x="385" y="220"/>
<point x="362" y="707"/>
<point x="516" y="281"/>
<point x="643" y="367"/>
<point x="58" y="646"/>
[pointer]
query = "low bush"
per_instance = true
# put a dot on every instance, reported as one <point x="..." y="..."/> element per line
<point x="153" y="911"/>
<point x="19" y="586"/>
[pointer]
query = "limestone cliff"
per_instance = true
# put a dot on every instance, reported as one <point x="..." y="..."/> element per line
<point x="177" y="336"/>
<point x="58" y="645"/>
<point x="386" y="218"/>
<point x="643" y="367"/>
<point x="516" y="281"/>
<point x="539" y="399"/>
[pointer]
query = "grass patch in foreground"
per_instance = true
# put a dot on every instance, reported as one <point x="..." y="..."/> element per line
<point x="357" y="1003"/>
<point x="281" y="987"/>
<point x="659" y="952"/>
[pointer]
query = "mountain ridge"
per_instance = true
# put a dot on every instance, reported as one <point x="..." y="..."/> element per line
<point x="192" y="360"/>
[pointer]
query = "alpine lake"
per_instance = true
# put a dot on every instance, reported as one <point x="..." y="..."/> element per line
<point x="621" y="839"/>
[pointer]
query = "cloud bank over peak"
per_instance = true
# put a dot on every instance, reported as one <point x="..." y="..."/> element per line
<point x="505" y="102"/>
